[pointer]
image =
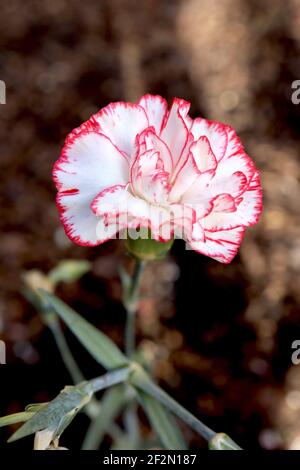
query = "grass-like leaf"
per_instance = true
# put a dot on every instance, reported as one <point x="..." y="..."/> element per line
<point x="162" y="422"/>
<point x="15" y="418"/>
<point x="96" y="343"/>
<point x="111" y="405"/>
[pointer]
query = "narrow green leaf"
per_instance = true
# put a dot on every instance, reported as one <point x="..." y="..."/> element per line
<point x="15" y="418"/>
<point x="97" y="344"/>
<point x="162" y="422"/>
<point x="111" y="404"/>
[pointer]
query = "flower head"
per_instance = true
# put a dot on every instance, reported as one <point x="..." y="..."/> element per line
<point x="142" y="165"/>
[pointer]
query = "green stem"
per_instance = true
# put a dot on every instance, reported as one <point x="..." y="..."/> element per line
<point x="131" y="303"/>
<point x="108" y="380"/>
<point x="130" y="333"/>
<point x="65" y="352"/>
<point x="69" y="361"/>
<point x="111" y="404"/>
<point x="143" y="382"/>
<point x="132" y="422"/>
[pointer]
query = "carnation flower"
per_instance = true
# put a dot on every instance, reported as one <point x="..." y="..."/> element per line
<point x="142" y="165"/>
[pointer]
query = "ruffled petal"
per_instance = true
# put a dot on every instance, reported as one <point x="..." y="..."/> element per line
<point x="178" y="221"/>
<point x="79" y="222"/>
<point x="226" y="146"/>
<point x="197" y="234"/>
<point x="149" y="178"/>
<point x="221" y="245"/>
<point x="197" y="192"/>
<point x="122" y="122"/>
<point x="149" y="140"/>
<point x="197" y="158"/>
<point x="89" y="162"/>
<point x="156" y="108"/>
<point x="185" y="174"/>
<point x="236" y="164"/>
<point x="203" y="155"/>
<point x="235" y="184"/>
<point x="121" y="208"/>
<point x="116" y="201"/>
<point x="174" y="130"/>
<point x="216" y="133"/>
<point x="224" y="203"/>
<point x="248" y="208"/>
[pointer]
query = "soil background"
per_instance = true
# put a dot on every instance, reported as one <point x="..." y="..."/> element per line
<point x="219" y="337"/>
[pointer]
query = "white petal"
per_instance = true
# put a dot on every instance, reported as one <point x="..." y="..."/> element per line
<point x="174" y="130"/>
<point x="203" y="155"/>
<point x="224" y="203"/>
<point x="235" y="164"/>
<point x="122" y="122"/>
<point x="156" y="107"/>
<point x="185" y="173"/>
<point x="222" y="245"/>
<point x="80" y="223"/>
<point x="198" y="232"/>
<point x="89" y="162"/>
<point x="215" y="132"/>
<point x="234" y="184"/>
<point x="118" y="200"/>
<point x="248" y="210"/>
<point x="148" y="140"/>
<point x="234" y="145"/>
<point x="121" y="207"/>
<point x="199" y="159"/>
<point x="197" y="192"/>
<point x="149" y="178"/>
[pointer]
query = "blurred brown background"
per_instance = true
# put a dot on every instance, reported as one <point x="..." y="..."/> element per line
<point x="219" y="337"/>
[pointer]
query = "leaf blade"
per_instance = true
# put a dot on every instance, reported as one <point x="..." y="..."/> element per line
<point x="162" y="422"/>
<point x="15" y="418"/>
<point x="101" y="348"/>
<point x="111" y="404"/>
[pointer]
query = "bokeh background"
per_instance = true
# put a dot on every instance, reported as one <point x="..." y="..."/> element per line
<point x="218" y="337"/>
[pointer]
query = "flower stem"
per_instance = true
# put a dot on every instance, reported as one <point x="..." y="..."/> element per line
<point x="131" y="304"/>
<point x="131" y="298"/>
<point x="109" y="379"/>
<point x="65" y="352"/>
<point x="69" y="361"/>
<point x="130" y="333"/>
